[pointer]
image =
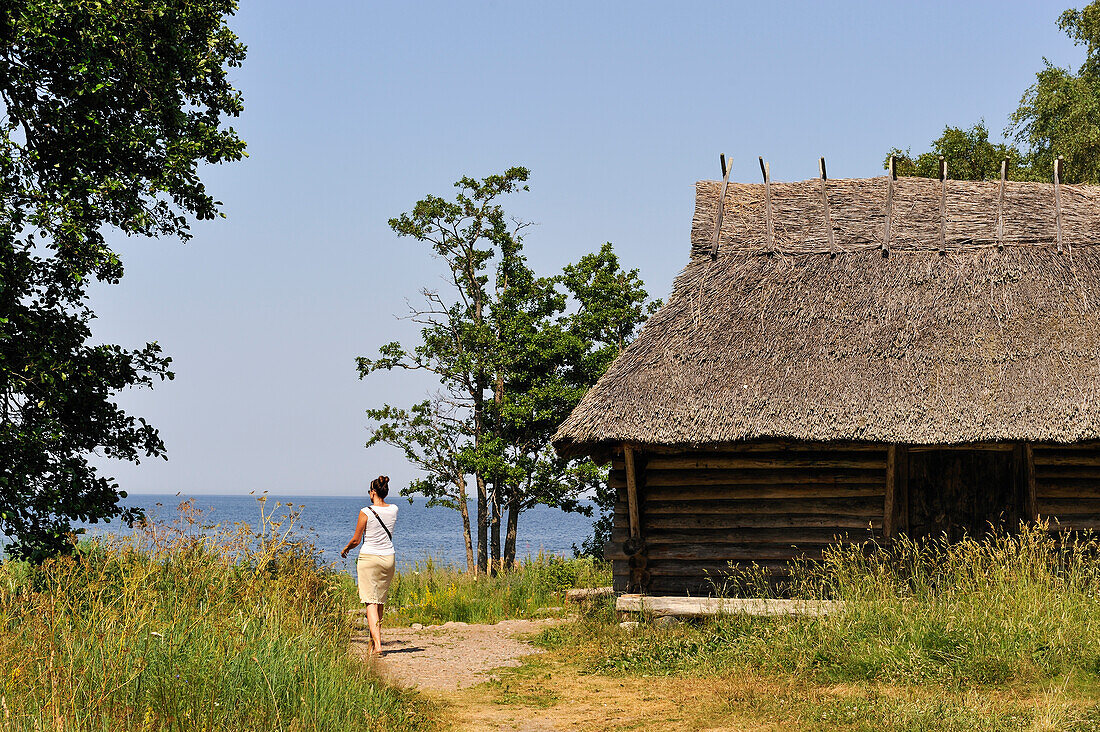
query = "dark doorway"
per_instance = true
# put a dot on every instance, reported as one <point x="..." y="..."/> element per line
<point x="957" y="492"/>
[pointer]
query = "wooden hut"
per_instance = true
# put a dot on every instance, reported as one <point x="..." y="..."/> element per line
<point x="843" y="359"/>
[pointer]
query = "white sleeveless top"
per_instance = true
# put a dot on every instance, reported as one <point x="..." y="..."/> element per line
<point x="375" y="540"/>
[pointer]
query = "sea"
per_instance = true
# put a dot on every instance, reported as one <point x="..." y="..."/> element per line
<point x="328" y="522"/>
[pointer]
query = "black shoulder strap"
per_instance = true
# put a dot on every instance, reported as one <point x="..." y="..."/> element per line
<point x="371" y="509"/>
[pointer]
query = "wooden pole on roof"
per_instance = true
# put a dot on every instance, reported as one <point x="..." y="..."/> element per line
<point x="943" y="205"/>
<point x="1058" y="199"/>
<point x="726" y="168"/>
<point x="825" y="204"/>
<point x="632" y="492"/>
<point x="1001" y="206"/>
<point x="891" y="176"/>
<point x="766" y="171"/>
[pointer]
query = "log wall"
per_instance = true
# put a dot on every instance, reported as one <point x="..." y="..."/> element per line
<point x="767" y="504"/>
<point x="1067" y="486"/>
<point x="760" y="504"/>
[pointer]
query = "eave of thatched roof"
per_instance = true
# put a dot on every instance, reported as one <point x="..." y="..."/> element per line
<point x="992" y="339"/>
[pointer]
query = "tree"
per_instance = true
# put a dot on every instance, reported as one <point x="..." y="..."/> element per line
<point x="109" y="109"/>
<point x="1060" y="113"/>
<point x="557" y="337"/>
<point x="456" y="340"/>
<point x="969" y="155"/>
<point x="612" y="306"/>
<point x="435" y="439"/>
<point x="514" y="353"/>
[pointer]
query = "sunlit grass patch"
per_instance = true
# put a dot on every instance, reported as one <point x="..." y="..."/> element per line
<point x="176" y="628"/>
<point x="1022" y="608"/>
<point x="429" y="592"/>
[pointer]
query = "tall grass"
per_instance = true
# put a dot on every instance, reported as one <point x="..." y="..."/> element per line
<point x="1021" y="608"/>
<point x="181" y="629"/>
<point x="429" y="592"/>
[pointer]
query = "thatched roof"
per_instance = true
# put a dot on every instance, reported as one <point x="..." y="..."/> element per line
<point x="779" y="338"/>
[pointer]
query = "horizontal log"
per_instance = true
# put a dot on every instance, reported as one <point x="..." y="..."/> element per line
<point x="682" y="586"/>
<point x="1081" y="489"/>
<point x="870" y="462"/>
<point x="867" y="507"/>
<point x="1089" y="522"/>
<point x="1061" y="457"/>
<point x="1087" y="445"/>
<point x="756" y="521"/>
<point x="787" y="536"/>
<point x="732" y="552"/>
<point x="967" y="447"/>
<point x="695" y="494"/>
<point x="725" y="553"/>
<point x="1075" y="472"/>
<point x="806" y="476"/>
<point x="715" y="567"/>
<point x="735" y="552"/>
<point x="717" y="489"/>
<point x="1068" y="506"/>
<point x="699" y="607"/>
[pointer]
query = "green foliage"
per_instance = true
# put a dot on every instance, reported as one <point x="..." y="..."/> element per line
<point x="109" y="110"/>
<point x="1010" y="608"/>
<point x="513" y="351"/>
<point x="429" y="593"/>
<point x="178" y="629"/>
<point x="1058" y="115"/>
<point x="968" y="153"/>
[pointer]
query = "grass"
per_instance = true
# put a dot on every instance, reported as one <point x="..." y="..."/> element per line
<point x="184" y="628"/>
<point x="993" y="634"/>
<point x="428" y="592"/>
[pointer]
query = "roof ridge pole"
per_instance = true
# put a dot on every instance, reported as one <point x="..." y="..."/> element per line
<point x="943" y="205"/>
<point x="726" y="169"/>
<point x="766" y="171"/>
<point x="891" y="176"/>
<point x="1001" y="206"/>
<point x="825" y="203"/>
<point x="1058" y="199"/>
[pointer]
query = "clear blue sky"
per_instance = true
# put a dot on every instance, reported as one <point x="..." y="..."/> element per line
<point x="353" y="111"/>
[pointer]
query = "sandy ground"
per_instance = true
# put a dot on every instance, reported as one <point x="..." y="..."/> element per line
<point x="442" y="658"/>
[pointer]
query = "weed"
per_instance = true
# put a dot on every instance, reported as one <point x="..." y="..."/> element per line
<point x="187" y="627"/>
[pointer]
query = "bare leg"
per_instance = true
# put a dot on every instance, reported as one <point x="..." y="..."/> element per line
<point x="374" y="619"/>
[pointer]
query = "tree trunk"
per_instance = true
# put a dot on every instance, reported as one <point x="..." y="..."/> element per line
<point x="464" y="509"/>
<point x="495" y="529"/>
<point x="482" y="525"/>
<point x="510" y="539"/>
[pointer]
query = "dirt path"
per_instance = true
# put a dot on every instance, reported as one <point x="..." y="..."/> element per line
<point x="452" y="656"/>
<point x="478" y="675"/>
<point x="485" y="677"/>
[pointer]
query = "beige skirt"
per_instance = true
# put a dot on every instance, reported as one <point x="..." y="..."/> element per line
<point x="375" y="574"/>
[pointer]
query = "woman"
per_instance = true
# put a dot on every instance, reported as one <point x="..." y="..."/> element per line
<point x="376" y="556"/>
